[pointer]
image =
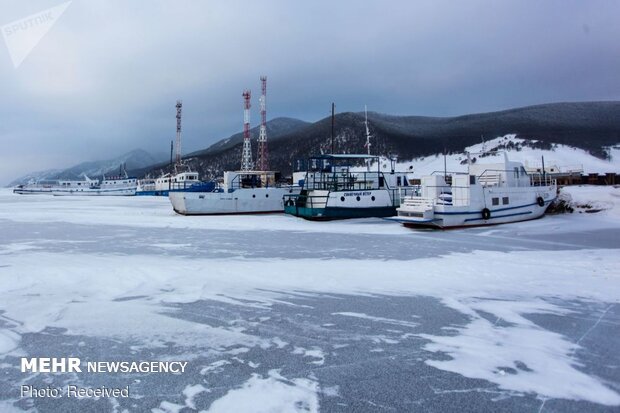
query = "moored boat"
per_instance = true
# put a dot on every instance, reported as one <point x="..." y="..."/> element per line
<point x="335" y="187"/>
<point x="487" y="194"/>
<point x="108" y="186"/>
<point x="185" y="181"/>
<point x="242" y="192"/>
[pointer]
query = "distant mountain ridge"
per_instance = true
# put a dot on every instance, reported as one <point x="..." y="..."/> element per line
<point x="276" y="128"/>
<point x="136" y="159"/>
<point x="592" y="126"/>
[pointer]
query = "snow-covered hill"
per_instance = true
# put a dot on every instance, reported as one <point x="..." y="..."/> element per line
<point x="562" y="157"/>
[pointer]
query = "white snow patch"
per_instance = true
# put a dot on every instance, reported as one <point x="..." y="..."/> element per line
<point x="190" y="392"/>
<point x="604" y="198"/>
<point x="9" y="341"/>
<point x="314" y="352"/>
<point x="273" y="393"/>
<point x="520" y="357"/>
<point x="168" y="407"/>
<point x="380" y="319"/>
<point x="215" y="367"/>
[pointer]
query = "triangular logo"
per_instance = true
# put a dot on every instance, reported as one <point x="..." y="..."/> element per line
<point x="21" y="36"/>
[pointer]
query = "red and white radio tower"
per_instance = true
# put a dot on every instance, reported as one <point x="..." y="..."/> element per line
<point x="246" y="156"/>
<point x="262" y="160"/>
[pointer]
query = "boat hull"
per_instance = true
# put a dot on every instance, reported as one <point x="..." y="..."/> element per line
<point x="240" y="201"/>
<point x="77" y="192"/>
<point x="322" y="205"/>
<point x="198" y="187"/>
<point x="334" y="213"/>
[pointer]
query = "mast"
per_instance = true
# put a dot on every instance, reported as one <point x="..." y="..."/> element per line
<point x="367" y="145"/>
<point x="333" y="110"/>
<point x="367" y="130"/>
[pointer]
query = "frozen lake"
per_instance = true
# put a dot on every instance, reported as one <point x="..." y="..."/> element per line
<point x="273" y="313"/>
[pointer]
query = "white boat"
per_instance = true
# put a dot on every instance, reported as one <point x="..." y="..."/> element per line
<point x="335" y="187"/>
<point x="487" y="194"/>
<point x="184" y="181"/>
<point x="111" y="186"/>
<point x="242" y="192"/>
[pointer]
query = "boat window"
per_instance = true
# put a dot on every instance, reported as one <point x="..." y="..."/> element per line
<point x="505" y="200"/>
<point x="495" y="201"/>
<point x="472" y="179"/>
<point x="398" y="181"/>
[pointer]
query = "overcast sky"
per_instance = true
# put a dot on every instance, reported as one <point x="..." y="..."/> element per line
<point x="105" y="78"/>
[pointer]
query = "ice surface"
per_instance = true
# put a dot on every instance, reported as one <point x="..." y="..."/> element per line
<point x="272" y="309"/>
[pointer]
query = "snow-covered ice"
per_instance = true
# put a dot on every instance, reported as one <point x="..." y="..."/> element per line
<point x="274" y="313"/>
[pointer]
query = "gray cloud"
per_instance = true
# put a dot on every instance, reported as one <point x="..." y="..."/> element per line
<point x="105" y="78"/>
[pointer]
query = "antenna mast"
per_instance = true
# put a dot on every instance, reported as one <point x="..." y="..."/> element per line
<point x="367" y="130"/>
<point x="179" y="107"/>
<point x="333" y="110"/>
<point x="262" y="160"/>
<point x="246" y="156"/>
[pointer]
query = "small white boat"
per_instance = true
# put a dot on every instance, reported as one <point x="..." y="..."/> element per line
<point x="487" y="194"/>
<point x="184" y="181"/>
<point x="242" y="192"/>
<point x="110" y="186"/>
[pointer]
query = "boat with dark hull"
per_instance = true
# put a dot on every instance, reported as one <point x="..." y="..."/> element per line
<point x="339" y="186"/>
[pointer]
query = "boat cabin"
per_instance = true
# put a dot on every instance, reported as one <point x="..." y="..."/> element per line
<point x="343" y="172"/>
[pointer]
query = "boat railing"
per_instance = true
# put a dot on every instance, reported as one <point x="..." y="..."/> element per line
<point x="499" y="178"/>
<point x="542" y="179"/>
<point x="342" y="181"/>
<point x="305" y="201"/>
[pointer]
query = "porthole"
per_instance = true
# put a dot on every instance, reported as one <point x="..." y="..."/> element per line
<point x="342" y="198"/>
<point x="372" y="198"/>
<point x="358" y="198"/>
<point x="253" y="195"/>
<point x="266" y="195"/>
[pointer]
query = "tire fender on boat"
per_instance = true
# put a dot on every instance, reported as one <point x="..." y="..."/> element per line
<point x="486" y="214"/>
<point x="540" y="201"/>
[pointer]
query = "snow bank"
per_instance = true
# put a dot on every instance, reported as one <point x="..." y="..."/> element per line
<point x="589" y="198"/>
